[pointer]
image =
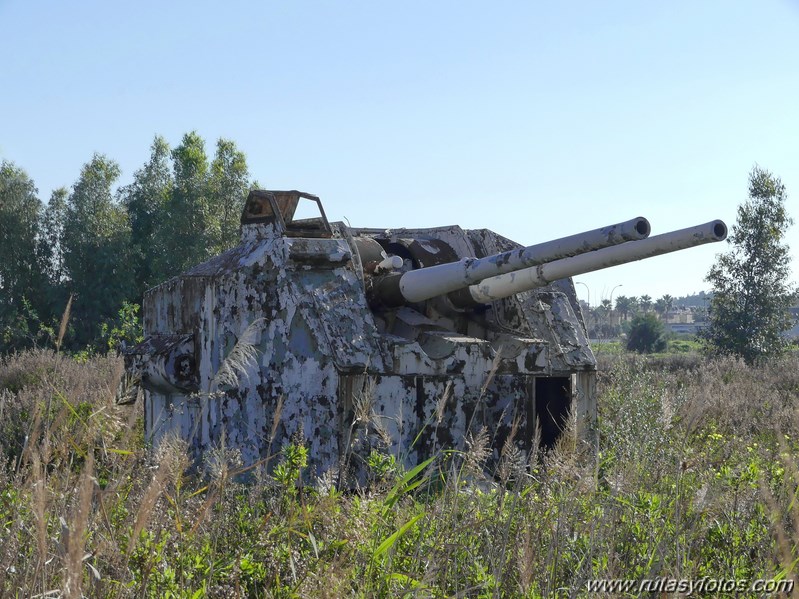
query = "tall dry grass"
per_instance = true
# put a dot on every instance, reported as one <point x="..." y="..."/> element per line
<point x="697" y="475"/>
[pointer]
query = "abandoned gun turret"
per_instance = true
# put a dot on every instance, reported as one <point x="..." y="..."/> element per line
<point x="362" y="339"/>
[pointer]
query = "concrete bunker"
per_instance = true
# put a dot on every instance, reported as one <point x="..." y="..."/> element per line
<point x="404" y="341"/>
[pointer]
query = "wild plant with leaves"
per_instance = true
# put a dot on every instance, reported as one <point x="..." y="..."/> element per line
<point x="751" y="281"/>
<point x="693" y="479"/>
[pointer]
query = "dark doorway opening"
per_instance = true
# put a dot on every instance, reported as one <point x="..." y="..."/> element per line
<point x="552" y="405"/>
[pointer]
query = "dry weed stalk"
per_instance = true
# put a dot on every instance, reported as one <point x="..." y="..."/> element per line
<point x="38" y="478"/>
<point x="275" y="422"/>
<point x="512" y="462"/>
<point x="784" y="545"/>
<point x="362" y="402"/>
<point x="525" y="562"/>
<point x="442" y="402"/>
<point x="171" y="460"/>
<point x="221" y="464"/>
<point x="32" y="438"/>
<point x="62" y="329"/>
<point x="76" y="540"/>
<point x="478" y="450"/>
<point x="5" y="397"/>
<point x="240" y="359"/>
<point x="495" y="363"/>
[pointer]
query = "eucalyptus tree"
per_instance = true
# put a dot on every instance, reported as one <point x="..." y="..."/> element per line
<point x="145" y="200"/>
<point x="751" y="288"/>
<point x="97" y="250"/>
<point x="228" y="188"/>
<point x="50" y="242"/>
<point x="21" y="280"/>
<point x="19" y="218"/>
<point x="184" y="229"/>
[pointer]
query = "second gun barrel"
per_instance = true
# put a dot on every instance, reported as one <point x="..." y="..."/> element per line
<point x="502" y="286"/>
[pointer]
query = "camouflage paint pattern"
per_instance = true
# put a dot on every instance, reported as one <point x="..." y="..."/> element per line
<point x="343" y="375"/>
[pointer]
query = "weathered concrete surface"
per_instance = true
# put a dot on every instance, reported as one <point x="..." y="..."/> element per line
<point x="317" y="354"/>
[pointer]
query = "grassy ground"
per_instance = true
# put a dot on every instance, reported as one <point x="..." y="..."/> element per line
<point x="696" y="476"/>
<point x="675" y="345"/>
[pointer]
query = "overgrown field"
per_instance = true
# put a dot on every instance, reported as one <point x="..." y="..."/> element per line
<point x="697" y="476"/>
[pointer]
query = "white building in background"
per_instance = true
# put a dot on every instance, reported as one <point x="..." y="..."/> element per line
<point x="793" y="332"/>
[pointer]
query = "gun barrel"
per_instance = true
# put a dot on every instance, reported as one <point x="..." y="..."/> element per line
<point x="425" y="283"/>
<point x="502" y="286"/>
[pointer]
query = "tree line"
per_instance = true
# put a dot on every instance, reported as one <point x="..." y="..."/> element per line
<point x="93" y="250"/>
<point x="73" y="271"/>
<point x="608" y="320"/>
<point x="632" y="305"/>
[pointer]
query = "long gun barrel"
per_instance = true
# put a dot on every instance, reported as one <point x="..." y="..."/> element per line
<point x="502" y="286"/>
<point x="425" y="283"/>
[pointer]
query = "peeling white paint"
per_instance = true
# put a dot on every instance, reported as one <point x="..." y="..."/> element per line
<point x="350" y="377"/>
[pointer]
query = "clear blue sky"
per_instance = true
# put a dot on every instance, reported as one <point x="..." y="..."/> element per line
<point x="534" y="119"/>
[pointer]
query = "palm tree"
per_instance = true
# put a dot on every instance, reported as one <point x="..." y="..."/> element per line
<point x="669" y="301"/>
<point x="623" y="305"/>
<point x="645" y="302"/>
<point x="660" y="307"/>
<point x="635" y="306"/>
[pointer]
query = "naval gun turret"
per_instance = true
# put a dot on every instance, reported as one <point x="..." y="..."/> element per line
<point x="361" y="339"/>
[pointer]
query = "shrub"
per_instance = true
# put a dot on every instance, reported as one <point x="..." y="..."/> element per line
<point x="646" y="334"/>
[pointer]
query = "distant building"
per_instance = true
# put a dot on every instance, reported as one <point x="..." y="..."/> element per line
<point x="793" y="332"/>
<point x="678" y="316"/>
<point x="685" y="327"/>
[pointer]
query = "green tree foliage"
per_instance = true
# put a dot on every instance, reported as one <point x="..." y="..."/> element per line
<point x="635" y="304"/>
<point x="146" y="202"/>
<point x="97" y="249"/>
<point x="178" y="211"/>
<point x="50" y="246"/>
<point x="200" y="218"/>
<point x="229" y="185"/>
<point x="624" y="305"/>
<point x="21" y="278"/>
<point x="664" y="305"/>
<point x="751" y="293"/>
<point x="646" y="334"/>
<point x="125" y="329"/>
<point x="668" y="301"/>
<point x="51" y="237"/>
<point x="19" y="214"/>
<point x="660" y="307"/>
<point x="188" y="216"/>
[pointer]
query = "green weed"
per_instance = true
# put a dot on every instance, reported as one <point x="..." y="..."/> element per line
<point x="697" y="476"/>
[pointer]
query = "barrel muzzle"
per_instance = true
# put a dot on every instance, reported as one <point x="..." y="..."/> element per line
<point x="502" y="286"/>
